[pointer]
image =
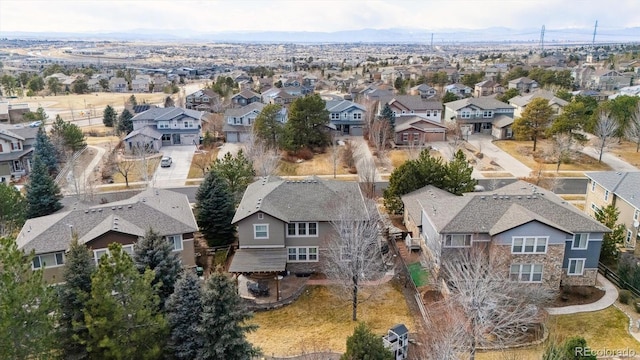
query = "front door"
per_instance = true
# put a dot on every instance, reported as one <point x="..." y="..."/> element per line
<point x="176" y="139"/>
<point x="477" y="127"/>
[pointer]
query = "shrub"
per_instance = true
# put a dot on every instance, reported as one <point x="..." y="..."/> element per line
<point x="636" y="304"/>
<point x="304" y="154"/>
<point x="624" y="296"/>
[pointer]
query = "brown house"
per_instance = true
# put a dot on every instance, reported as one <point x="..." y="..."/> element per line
<point x="416" y="130"/>
<point x="166" y="212"/>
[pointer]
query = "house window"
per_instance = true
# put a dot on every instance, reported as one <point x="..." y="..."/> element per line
<point x="260" y="216"/>
<point x="526" y="272"/>
<point x="593" y="186"/>
<point x="636" y="214"/>
<point x="166" y="137"/>
<point x="163" y="125"/>
<point x="594" y="207"/>
<point x="628" y="238"/>
<point x="529" y="245"/>
<point x="302" y="229"/>
<point x="302" y="254"/>
<point x="416" y="137"/>
<point x="188" y="124"/>
<point x="487" y="114"/>
<point x="606" y="195"/>
<point x="580" y="241"/>
<point x="48" y="260"/>
<point x="261" y="231"/>
<point x="405" y="137"/>
<point x="237" y="121"/>
<point x="576" y="267"/>
<point x="176" y="241"/>
<point x="98" y="254"/>
<point x="457" y="240"/>
<point x="465" y="115"/>
<point x="345" y="253"/>
<point x="357" y="116"/>
<point x="335" y="116"/>
<point x="428" y="113"/>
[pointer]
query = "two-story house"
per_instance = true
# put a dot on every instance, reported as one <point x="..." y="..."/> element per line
<point x="412" y="105"/>
<point x="244" y="97"/>
<point x="539" y="237"/>
<point x="424" y="91"/>
<point x="459" y="90"/>
<point x="481" y="115"/>
<point x="166" y="212"/>
<point x="523" y="84"/>
<point x="159" y="127"/>
<point x="117" y="84"/>
<point x="486" y="88"/>
<point x="285" y="225"/>
<point x="622" y="190"/>
<point x="520" y="102"/>
<point x="347" y="117"/>
<point x="238" y="121"/>
<point x="16" y="150"/>
<point x="203" y="100"/>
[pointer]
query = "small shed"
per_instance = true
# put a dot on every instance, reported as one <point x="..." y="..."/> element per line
<point x="397" y="340"/>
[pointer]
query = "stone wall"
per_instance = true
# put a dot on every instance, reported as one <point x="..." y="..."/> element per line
<point x="588" y="278"/>
<point x="551" y="262"/>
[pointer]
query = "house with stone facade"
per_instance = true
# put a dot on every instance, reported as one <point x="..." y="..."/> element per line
<point x="543" y="239"/>
<point x="166" y="212"/>
<point x="412" y="105"/>
<point x="622" y="190"/>
<point x="481" y="115"/>
<point x="285" y="225"/>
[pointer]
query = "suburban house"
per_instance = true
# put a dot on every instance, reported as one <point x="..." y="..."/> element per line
<point x="520" y="102"/>
<point x="238" y="121"/>
<point x="348" y="117"/>
<point x="118" y="84"/>
<point x="166" y="212"/>
<point x="486" y="88"/>
<point x="244" y="97"/>
<point x="622" y="189"/>
<point x="203" y="100"/>
<point x="16" y="150"/>
<point x="604" y="79"/>
<point x="424" y="91"/>
<point x="12" y="113"/>
<point x="523" y="84"/>
<point x="140" y="85"/>
<point x="285" y="225"/>
<point x="459" y="90"/>
<point x="159" y="127"/>
<point x="539" y="237"/>
<point x="417" y="130"/>
<point x="410" y="105"/>
<point x="485" y="114"/>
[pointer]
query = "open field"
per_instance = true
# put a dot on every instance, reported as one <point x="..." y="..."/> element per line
<point x="321" y="164"/>
<point x="319" y="320"/>
<point x="85" y="102"/>
<point x="627" y="151"/>
<point x="522" y="151"/>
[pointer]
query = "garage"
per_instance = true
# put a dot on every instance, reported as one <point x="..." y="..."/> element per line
<point x="231" y="136"/>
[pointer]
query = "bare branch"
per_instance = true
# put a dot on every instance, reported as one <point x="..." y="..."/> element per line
<point x="606" y="127"/>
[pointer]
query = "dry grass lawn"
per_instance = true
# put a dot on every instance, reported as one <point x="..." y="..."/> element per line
<point x="135" y="173"/>
<point x="514" y="148"/>
<point x="319" y="320"/>
<point x="195" y="171"/>
<point x="398" y="157"/>
<point x="496" y="174"/>
<point x="93" y="101"/>
<point x="95" y="140"/>
<point x="627" y="151"/>
<point x="321" y="164"/>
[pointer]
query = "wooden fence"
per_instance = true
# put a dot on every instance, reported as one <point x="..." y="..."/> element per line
<point x="616" y="280"/>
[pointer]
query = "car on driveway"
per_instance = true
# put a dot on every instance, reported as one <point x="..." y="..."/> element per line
<point x="166" y="162"/>
<point x="35" y="124"/>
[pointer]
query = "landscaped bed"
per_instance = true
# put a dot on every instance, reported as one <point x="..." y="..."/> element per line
<point x="319" y="320"/>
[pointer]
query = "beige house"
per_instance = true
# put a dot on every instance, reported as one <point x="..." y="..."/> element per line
<point x="622" y="189"/>
<point x="521" y="102"/>
<point x="166" y="212"/>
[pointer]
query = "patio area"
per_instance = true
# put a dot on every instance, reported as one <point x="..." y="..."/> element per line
<point x="289" y="288"/>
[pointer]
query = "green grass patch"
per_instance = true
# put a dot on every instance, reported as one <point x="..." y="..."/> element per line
<point x="419" y="275"/>
<point x="220" y="258"/>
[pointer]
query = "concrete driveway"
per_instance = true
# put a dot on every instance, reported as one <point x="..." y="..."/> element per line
<point x="177" y="173"/>
<point x="502" y="158"/>
<point x="232" y="148"/>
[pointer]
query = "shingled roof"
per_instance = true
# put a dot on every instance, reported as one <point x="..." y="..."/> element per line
<point x="625" y="185"/>
<point x="165" y="211"/>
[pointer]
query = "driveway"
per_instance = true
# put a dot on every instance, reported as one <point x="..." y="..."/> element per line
<point x="229" y="148"/>
<point x="176" y="174"/>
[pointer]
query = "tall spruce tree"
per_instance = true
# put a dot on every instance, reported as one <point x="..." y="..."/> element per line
<point x="125" y="125"/>
<point x="73" y="296"/>
<point x="27" y="307"/>
<point x="110" y="116"/>
<point x="183" y="310"/>
<point x="267" y="127"/>
<point x="215" y="210"/>
<point x="43" y="194"/>
<point x="307" y="122"/>
<point x="46" y="151"/>
<point x="13" y="208"/>
<point x="608" y="216"/>
<point x="223" y="325"/>
<point x="121" y="315"/>
<point x="457" y="179"/>
<point x="237" y="171"/>
<point x="154" y="252"/>
<point x="387" y="114"/>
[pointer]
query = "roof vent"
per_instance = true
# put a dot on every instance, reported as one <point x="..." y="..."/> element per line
<point x="86" y="211"/>
<point x="506" y="197"/>
<point x="120" y="207"/>
<point x="494" y="197"/>
<point x="519" y="197"/>
<point x="534" y="197"/>
<point x="482" y="197"/>
<point x="99" y="210"/>
<point x="93" y="210"/>
<point x="113" y="208"/>
<point x="129" y="206"/>
<point x="528" y="196"/>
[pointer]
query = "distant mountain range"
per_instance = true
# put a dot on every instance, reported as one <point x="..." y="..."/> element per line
<point x="493" y="34"/>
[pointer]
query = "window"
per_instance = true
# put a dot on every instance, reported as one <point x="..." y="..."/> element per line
<point x="166" y="137"/>
<point x="260" y="216"/>
<point x="529" y="245"/>
<point x="465" y="115"/>
<point x="526" y="272"/>
<point x="416" y="137"/>
<point x="357" y="116"/>
<point x="98" y="254"/>
<point x="261" y="231"/>
<point x="636" y="214"/>
<point x="302" y="229"/>
<point x="576" y="267"/>
<point x="606" y="195"/>
<point x="345" y="253"/>
<point x="176" y="241"/>
<point x="163" y="124"/>
<point x="405" y="137"/>
<point x="457" y="240"/>
<point x="302" y="254"/>
<point x="580" y="241"/>
<point x="188" y="124"/>
<point x="594" y="207"/>
<point x="428" y="113"/>
<point x="335" y="116"/>
<point x="593" y="186"/>
<point x="628" y="238"/>
<point x="237" y="121"/>
<point x="487" y="114"/>
<point x="48" y="260"/>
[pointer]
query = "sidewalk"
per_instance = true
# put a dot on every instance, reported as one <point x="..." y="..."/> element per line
<point x="506" y="161"/>
<point x="609" y="298"/>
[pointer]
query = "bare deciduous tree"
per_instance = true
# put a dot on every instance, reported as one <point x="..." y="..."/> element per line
<point x="633" y="131"/>
<point x="562" y="149"/>
<point x="203" y="161"/>
<point x="125" y="167"/>
<point x="265" y="160"/>
<point x="497" y="310"/>
<point x="143" y="155"/>
<point x="353" y="254"/>
<point x="380" y="133"/>
<point x="367" y="172"/>
<point x="606" y="127"/>
<point x="335" y="152"/>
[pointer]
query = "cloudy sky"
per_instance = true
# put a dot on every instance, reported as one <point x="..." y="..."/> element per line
<point x="310" y="15"/>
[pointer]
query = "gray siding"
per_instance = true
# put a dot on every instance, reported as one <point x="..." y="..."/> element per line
<point x="276" y="232"/>
<point x="592" y="253"/>
<point x="325" y="230"/>
<point x="534" y="228"/>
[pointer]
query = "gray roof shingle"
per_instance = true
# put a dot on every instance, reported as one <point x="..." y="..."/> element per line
<point x="625" y="185"/>
<point x="485" y="103"/>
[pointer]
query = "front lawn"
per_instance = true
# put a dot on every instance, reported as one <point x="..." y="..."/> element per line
<point x="320" y="320"/>
<point x="627" y="151"/>
<point x="136" y="170"/>
<point x="320" y="164"/>
<point x="200" y="160"/>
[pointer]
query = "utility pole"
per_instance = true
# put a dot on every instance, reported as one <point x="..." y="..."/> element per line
<point x="542" y="39"/>
<point x="595" y="28"/>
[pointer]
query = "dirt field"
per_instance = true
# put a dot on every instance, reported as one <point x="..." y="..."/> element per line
<point x="627" y="151"/>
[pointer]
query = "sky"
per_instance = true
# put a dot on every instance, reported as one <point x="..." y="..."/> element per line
<point x="205" y="16"/>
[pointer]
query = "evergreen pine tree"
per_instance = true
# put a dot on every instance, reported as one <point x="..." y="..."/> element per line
<point x="27" y="307"/>
<point x="156" y="253"/>
<point x="237" y="171"/>
<point x="72" y="297"/>
<point x="43" y="194"/>
<point x="46" y="151"/>
<point x="121" y="314"/>
<point x="364" y="344"/>
<point x="608" y="216"/>
<point x="125" y="125"/>
<point x="223" y="323"/>
<point x="110" y="116"/>
<point x="183" y="310"/>
<point x="387" y="114"/>
<point x="457" y="179"/>
<point x="215" y="210"/>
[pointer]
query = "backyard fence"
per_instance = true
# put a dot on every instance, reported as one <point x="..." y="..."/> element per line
<point x="407" y="275"/>
<point x="616" y="280"/>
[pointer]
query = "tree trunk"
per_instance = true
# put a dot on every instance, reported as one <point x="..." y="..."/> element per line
<point x="354" y="315"/>
<point x="126" y="180"/>
<point x="638" y="146"/>
<point x="601" y="152"/>
<point x="535" y="143"/>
